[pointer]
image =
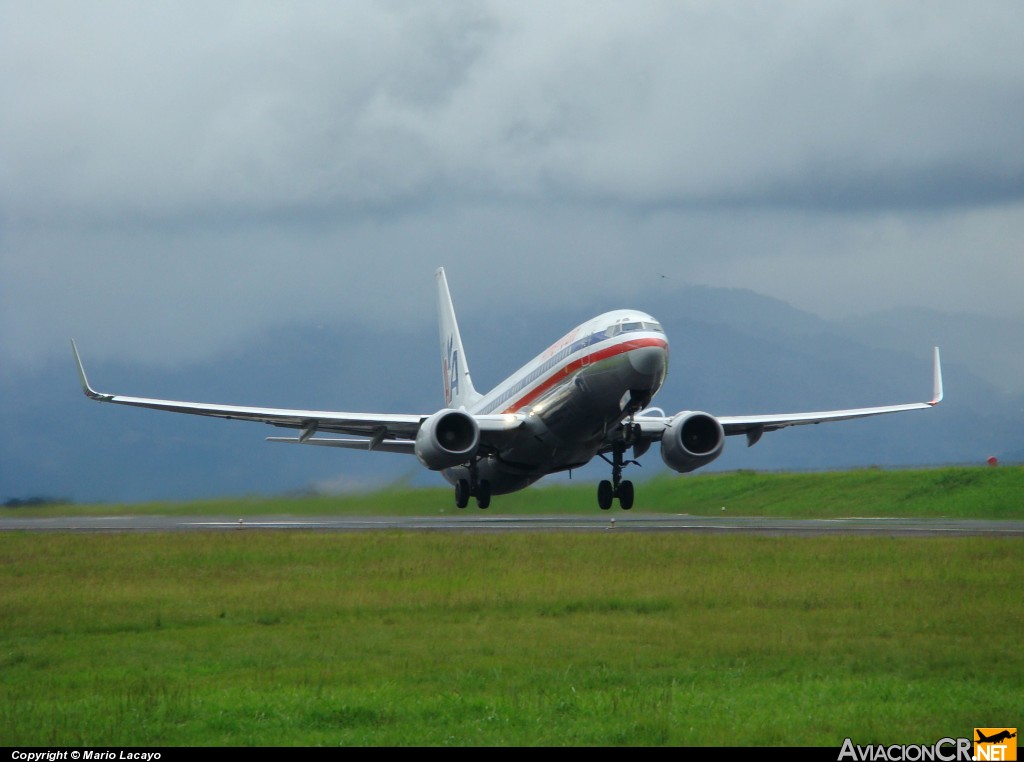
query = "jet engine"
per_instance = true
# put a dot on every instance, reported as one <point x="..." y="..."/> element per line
<point x="447" y="438"/>
<point x="692" y="440"/>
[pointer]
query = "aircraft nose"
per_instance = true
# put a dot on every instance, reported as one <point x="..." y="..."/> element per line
<point x="649" y="361"/>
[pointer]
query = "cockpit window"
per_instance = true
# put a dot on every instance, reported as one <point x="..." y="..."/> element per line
<point x="639" y="326"/>
<point x="626" y="327"/>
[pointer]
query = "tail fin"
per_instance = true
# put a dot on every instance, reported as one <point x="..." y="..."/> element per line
<point x="458" y="386"/>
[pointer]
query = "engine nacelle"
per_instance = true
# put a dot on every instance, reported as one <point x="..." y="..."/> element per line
<point x="692" y="440"/>
<point x="447" y="438"/>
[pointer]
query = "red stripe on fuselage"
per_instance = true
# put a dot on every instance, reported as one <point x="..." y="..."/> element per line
<point x="575" y="365"/>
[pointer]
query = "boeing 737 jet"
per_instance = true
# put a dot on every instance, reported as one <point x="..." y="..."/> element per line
<point x="586" y="395"/>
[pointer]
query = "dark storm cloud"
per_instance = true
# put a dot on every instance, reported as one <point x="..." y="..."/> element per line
<point x="173" y="175"/>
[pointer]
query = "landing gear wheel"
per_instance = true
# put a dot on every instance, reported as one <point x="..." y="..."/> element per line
<point x="626" y="495"/>
<point x="608" y="491"/>
<point x="483" y="494"/>
<point x="461" y="493"/>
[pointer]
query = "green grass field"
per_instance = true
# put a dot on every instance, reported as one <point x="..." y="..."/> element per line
<point x="393" y="638"/>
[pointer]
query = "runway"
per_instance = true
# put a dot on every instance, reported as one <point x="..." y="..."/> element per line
<point x="482" y="522"/>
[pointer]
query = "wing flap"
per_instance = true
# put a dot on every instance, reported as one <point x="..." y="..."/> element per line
<point x="366" y="424"/>
<point x="404" y="446"/>
<point x="741" y="424"/>
<point x="492" y="428"/>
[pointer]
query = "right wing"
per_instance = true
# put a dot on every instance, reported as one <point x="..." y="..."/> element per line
<point x="753" y="426"/>
<point x="389" y="432"/>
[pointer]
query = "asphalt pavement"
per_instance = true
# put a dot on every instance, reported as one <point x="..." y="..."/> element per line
<point x="471" y="520"/>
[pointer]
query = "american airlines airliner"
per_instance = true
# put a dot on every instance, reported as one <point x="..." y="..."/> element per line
<point x="586" y="395"/>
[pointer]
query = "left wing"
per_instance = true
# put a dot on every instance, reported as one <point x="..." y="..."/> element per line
<point x="652" y="427"/>
<point x="392" y="432"/>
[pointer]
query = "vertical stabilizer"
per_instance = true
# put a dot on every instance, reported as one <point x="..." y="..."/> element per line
<point x="458" y="386"/>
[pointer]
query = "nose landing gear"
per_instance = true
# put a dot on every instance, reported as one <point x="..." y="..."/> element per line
<point x="618" y="487"/>
<point x="607" y="492"/>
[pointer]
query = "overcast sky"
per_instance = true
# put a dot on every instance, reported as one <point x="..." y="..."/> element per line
<point x="178" y="176"/>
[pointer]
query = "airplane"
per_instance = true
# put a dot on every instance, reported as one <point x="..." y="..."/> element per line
<point x="586" y="395"/>
<point x="1002" y="735"/>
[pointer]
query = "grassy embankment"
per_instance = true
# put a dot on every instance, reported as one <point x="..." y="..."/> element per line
<point x="612" y="638"/>
<point x="953" y="492"/>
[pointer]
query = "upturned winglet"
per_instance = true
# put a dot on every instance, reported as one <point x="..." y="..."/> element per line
<point x="937" y="383"/>
<point x="86" y="389"/>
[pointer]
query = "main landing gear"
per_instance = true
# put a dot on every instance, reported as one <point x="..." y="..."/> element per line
<point x="464" y="490"/>
<point x="619" y="488"/>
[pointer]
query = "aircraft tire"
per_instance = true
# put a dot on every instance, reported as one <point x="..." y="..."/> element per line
<point x="483" y="494"/>
<point x="461" y="493"/>
<point x="605" y="495"/>
<point x="626" y="495"/>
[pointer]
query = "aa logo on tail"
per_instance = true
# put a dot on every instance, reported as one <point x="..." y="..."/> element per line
<point x="451" y="372"/>
<point x="995" y="744"/>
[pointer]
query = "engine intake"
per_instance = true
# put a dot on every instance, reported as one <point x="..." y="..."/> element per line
<point x="692" y="440"/>
<point x="447" y="438"/>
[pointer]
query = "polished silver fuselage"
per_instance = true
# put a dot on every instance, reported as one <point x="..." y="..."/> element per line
<point x="574" y="397"/>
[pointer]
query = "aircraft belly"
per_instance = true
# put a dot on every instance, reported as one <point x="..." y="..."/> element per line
<point x="531" y="454"/>
<point x="503" y="479"/>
